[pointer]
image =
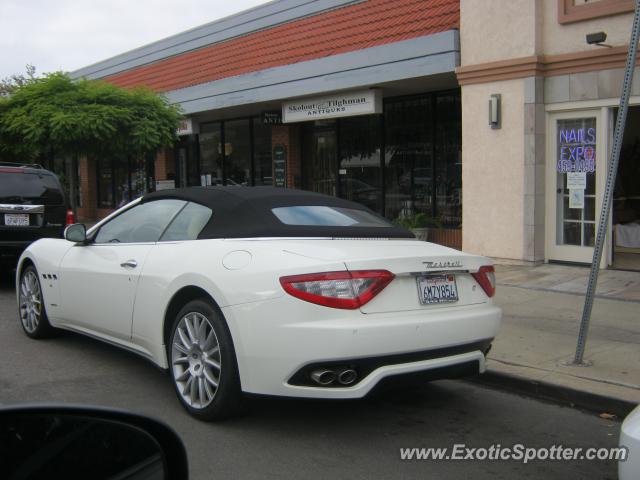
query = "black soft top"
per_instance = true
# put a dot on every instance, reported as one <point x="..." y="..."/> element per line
<point x="245" y="212"/>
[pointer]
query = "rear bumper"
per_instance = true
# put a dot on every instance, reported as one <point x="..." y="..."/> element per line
<point x="275" y="352"/>
<point x="365" y="366"/>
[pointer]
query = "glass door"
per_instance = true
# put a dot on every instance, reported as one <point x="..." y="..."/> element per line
<point x="575" y="169"/>
<point x="211" y="156"/>
<point x="186" y="156"/>
<point x="320" y="148"/>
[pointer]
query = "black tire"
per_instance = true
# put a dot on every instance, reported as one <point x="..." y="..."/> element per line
<point x="37" y="326"/>
<point x="194" y="361"/>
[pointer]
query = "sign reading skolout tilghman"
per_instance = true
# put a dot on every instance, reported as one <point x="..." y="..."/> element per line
<point x="577" y="150"/>
<point x="347" y="104"/>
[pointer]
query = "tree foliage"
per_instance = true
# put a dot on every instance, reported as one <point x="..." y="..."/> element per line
<point x="87" y="117"/>
<point x="10" y="84"/>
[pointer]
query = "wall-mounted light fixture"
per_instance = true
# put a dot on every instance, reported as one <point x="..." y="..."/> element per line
<point x="495" y="114"/>
<point x="597" y="38"/>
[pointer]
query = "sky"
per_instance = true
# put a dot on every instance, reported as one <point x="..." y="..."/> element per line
<point x="68" y="34"/>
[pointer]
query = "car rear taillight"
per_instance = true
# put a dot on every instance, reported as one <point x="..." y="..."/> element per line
<point x="71" y="219"/>
<point x="347" y="290"/>
<point x="486" y="277"/>
<point x="11" y="170"/>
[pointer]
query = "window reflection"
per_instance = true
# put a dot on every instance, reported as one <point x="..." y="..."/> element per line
<point x="122" y="179"/>
<point x="423" y="152"/>
<point x="409" y="157"/>
<point x="359" y="170"/>
<point x="262" y="153"/>
<point x="211" y="154"/>
<point x="237" y="150"/>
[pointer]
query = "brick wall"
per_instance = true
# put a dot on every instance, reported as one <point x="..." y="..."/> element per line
<point x="165" y="164"/>
<point x="87" y="168"/>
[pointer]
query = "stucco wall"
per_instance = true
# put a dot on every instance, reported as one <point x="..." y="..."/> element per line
<point x="493" y="172"/>
<point x="567" y="38"/>
<point x="492" y="30"/>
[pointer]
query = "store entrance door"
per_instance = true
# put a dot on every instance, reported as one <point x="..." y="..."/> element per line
<point x="320" y="151"/>
<point x="186" y="154"/>
<point x="626" y="198"/>
<point x="575" y="175"/>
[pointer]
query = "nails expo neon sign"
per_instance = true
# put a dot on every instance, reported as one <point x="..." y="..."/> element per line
<point x="577" y="150"/>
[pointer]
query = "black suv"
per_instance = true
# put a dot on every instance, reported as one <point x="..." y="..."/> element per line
<point x="32" y="206"/>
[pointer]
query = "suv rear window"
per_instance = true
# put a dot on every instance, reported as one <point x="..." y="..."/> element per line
<point x="16" y="187"/>
<point x="324" y="216"/>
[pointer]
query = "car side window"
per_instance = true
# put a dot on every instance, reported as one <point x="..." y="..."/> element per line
<point x="141" y="224"/>
<point x="188" y="223"/>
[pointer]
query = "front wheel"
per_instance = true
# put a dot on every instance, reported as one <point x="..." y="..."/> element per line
<point x="203" y="362"/>
<point x="33" y="315"/>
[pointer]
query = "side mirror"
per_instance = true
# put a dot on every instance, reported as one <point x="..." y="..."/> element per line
<point x="83" y="442"/>
<point x="76" y="233"/>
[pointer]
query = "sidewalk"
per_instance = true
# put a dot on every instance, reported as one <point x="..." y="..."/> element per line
<point x="542" y="307"/>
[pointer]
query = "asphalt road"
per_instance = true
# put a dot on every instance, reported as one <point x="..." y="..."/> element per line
<point x="282" y="438"/>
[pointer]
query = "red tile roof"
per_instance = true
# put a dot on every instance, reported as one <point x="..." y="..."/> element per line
<point x="354" y="27"/>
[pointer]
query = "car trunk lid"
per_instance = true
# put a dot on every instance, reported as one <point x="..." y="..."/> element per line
<point x="416" y="265"/>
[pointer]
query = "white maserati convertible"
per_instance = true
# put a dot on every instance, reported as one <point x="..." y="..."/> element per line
<point x="263" y="290"/>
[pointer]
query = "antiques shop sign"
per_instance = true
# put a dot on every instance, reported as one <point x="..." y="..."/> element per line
<point x="363" y="102"/>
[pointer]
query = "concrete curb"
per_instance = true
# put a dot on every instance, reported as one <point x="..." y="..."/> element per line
<point x="555" y="393"/>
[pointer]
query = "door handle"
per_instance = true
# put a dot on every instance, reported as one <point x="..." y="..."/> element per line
<point x="129" y="264"/>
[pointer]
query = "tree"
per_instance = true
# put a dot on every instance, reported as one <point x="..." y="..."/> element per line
<point x="84" y="117"/>
<point x="10" y="84"/>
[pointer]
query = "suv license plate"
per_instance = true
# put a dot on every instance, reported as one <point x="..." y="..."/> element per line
<point x="433" y="289"/>
<point x="16" y="219"/>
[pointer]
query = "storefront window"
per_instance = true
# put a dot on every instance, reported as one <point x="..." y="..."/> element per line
<point x="233" y="165"/>
<point x="121" y="177"/>
<point x="187" y="152"/>
<point x="359" y="170"/>
<point x="262" y="153"/>
<point x="211" y="154"/>
<point x="237" y="141"/>
<point x="421" y="172"/>
<point x="448" y="147"/>
<point x="409" y="157"/>
<point x="139" y="176"/>
<point x="124" y="179"/>
<point x="105" y="183"/>
<point x="65" y="167"/>
<point x="576" y="182"/>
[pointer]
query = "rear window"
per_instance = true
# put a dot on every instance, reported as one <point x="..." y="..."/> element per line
<point x="16" y="187"/>
<point x="323" y="216"/>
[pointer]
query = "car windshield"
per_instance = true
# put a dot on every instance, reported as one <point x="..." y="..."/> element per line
<point x="318" y="215"/>
<point x="18" y="187"/>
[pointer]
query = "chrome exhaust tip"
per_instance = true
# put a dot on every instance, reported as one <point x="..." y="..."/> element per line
<point x="347" y="376"/>
<point x="323" y="377"/>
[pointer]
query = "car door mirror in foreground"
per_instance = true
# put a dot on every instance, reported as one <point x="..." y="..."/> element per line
<point x="76" y="233"/>
<point x="79" y="442"/>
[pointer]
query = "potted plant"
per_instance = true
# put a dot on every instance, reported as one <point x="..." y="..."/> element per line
<point x="419" y="224"/>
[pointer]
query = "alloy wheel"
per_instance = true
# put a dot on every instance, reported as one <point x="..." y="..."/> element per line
<point x="196" y="360"/>
<point x="30" y="301"/>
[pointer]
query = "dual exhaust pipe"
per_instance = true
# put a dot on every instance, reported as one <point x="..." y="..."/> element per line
<point x="325" y="376"/>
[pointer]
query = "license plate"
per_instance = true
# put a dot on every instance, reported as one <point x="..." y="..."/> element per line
<point x="433" y="289"/>
<point x="16" y="219"/>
